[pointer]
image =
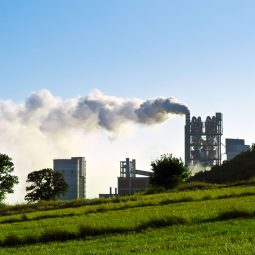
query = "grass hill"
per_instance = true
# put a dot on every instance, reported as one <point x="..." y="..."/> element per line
<point x="242" y="167"/>
<point x="219" y="220"/>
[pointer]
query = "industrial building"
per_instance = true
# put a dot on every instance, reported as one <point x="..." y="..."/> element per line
<point x="203" y="140"/>
<point x="235" y="147"/>
<point x="128" y="181"/>
<point x="74" y="172"/>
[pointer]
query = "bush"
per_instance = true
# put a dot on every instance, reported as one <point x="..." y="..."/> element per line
<point x="168" y="171"/>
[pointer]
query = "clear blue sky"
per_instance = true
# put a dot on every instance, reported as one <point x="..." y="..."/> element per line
<point x="127" y="48"/>
<point x="199" y="51"/>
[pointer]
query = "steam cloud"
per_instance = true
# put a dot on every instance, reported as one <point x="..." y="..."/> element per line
<point x="51" y="114"/>
<point x="44" y="127"/>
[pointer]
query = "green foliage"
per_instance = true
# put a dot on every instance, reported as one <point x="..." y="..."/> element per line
<point x="154" y="190"/>
<point x="168" y="171"/>
<point x="7" y="180"/>
<point x="197" y="186"/>
<point x="240" y="168"/>
<point x="46" y="185"/>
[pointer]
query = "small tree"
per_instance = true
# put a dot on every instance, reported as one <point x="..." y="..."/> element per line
<point x="168" y="171"/>
<point x="46" y="185"/>
<point x="7" y="180"/>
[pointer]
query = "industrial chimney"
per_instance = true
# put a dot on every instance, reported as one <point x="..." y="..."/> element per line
<point x="187" y="139"/>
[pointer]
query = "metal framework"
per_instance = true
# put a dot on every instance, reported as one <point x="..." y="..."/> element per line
<point x="127" y="168"/>
<point x="128" y="182"/>
<point x="203" y="140"/>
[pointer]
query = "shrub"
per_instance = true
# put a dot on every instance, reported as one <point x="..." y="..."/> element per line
<point x="168" y="171"/>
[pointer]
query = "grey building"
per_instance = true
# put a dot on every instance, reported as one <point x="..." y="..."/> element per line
<point x="74" y="172"/>
<point x="235" y="147"/>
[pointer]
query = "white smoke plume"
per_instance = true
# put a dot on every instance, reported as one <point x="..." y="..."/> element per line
<point x="45" y="126"/>
<point x="50" y="114"/>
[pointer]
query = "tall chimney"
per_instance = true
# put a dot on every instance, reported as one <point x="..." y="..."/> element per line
<point x="187" y="139"/>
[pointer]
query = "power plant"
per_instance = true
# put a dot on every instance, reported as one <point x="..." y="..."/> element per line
<point x="203" y="147"/>
<point x="203" y="140"/>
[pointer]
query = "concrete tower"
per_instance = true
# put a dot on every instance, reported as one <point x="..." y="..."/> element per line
<point x="74" y="172"/>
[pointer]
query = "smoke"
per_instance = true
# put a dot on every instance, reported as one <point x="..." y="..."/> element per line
<point x="45" y="126"/>
<point x="49" y="114"/>
<point x="196" y="168"/>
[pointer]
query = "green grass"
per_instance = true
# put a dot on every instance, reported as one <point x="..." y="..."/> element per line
<point x="185" y="222"/>
<point x="227" y="237"/>
<point x="203" y="190"/>
<point x="14" y="215"/>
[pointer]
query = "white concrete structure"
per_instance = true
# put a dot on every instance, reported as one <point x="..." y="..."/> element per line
<point x="74" y="172"/>
<point x="235" y="147"/>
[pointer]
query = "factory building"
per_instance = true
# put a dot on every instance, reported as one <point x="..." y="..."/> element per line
<point x="129" y="182"/>
<point x="74" y="172"/>
<point x="235" y="147"/>
<point x="203" y="140"/>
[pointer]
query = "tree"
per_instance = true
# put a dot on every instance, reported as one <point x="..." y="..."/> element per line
<point x="7" y="180"/>
<point x="46" y="185"/>
<point x="168" y="171"/>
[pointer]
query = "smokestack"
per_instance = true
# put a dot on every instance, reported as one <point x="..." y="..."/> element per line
<point x="187" y="118"/>
<point x="187" y="138"/>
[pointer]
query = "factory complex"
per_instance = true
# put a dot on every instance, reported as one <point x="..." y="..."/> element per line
<point x="203" y="147"/>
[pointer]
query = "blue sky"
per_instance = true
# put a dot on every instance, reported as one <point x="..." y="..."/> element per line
<point x="199" y="51"/>
<point x="122" y="47"/>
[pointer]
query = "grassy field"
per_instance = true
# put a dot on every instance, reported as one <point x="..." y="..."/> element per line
<point x="214" y="221"/>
